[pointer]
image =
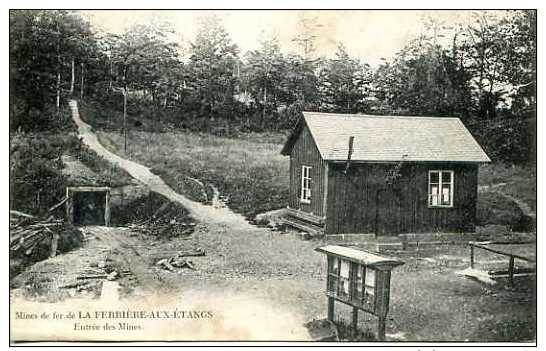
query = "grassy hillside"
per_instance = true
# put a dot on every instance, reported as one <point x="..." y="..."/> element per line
<point x="252" y="173"/>
<point x="520" y="181"/>
<point x="36" y="171"/>
<point x="249" y="172"/>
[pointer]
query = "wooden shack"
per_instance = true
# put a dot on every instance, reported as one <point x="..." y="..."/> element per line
<point x="384" y="175"/>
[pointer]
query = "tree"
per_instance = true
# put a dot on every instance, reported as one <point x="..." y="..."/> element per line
<point x="211" y="69"/>
<point x="141" y="61"/>
<point x="43" y="46"/>
<point x="264" y="72"/>
<point x="306" y="36"/>
<point x="300" y="85"/>
<point x="424" y="79"/>
<point x="343" y="82"/>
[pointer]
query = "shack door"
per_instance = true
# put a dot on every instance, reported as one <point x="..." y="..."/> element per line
<point x="388" y="212"/>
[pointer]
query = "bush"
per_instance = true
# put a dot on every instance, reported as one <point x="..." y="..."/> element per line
<point x="31" y="119"/>
<point x="35" y="172"/>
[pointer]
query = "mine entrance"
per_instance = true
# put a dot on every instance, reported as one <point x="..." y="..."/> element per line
<point x="88" y="205"/>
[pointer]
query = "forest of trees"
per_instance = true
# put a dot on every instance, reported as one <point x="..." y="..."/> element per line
<point x="485" y="74"/>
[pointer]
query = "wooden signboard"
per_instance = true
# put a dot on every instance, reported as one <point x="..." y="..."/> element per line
<point x="360" y="279"/>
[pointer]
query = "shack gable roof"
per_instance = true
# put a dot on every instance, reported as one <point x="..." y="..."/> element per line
<point x="389" y="138"/>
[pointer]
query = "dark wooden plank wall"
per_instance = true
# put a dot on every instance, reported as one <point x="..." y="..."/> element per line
<point x="305" y="152"/>
<point x="361" y="202"/>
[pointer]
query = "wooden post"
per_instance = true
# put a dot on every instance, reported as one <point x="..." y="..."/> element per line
<point x="331" y="309"/>
<point x="54" y="242"/>
<point x="72" y="77"/>
<point x="107" y="209"/>
<point x="81" y="86"/>
<point x="355" y="320"/>
<point x="471" y="255"/>
<point x="381" y="329"/>
<point x="511" y="271"/>
<point x="125" y="120"/>
<point x="69" y="207"/>
<point x="58" y="85"/>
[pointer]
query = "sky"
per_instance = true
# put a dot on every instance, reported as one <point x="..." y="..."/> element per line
<point x="367" y="34"/>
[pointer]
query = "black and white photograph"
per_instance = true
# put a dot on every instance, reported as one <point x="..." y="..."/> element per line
<point x="282" y="176"/>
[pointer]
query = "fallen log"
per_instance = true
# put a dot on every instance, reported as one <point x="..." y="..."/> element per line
<point x="58" y="205"/>
<point x="197" y="252"/>
<point x="21" y="214"/>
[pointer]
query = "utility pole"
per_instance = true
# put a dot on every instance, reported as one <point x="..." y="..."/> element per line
<point x="58" y="102"/>
<point x="72" y="79"/>
<point x="125" y="107"/>
<point x="125" y="119"/>
<point x="265" y="104"/>
<point x="81" y="86"/>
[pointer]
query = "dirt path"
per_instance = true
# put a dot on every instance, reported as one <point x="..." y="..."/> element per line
<point x="207" y="214"/>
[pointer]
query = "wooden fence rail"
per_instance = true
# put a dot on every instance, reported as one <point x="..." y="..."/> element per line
<point x="483" y="245"/>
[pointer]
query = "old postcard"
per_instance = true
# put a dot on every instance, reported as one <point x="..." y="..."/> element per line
<point x="276" y="176"/>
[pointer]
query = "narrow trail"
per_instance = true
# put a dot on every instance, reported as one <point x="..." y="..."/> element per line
<point x="206" y="214"/>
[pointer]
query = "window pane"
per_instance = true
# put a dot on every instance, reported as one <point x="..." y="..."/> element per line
<point x="369" y="295"/>
<point x="332" y="286"/>
<point x="359" y="272"/>
<point x="446" y="194"/>
<point x="434" y="177"/>
<point x="344" y="271"/>
<point x="446" y="177"/>
<point x="343" y="288"/>
<point x="332" y="265"/>
<point x="370" y="277"/>
<point x="358" y="290"/>
<point x="335" y="265"/>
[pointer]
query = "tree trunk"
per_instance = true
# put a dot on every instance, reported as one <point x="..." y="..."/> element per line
<point x="72" y="79"/>
<point x="154" y="103"/>
<point x="81" y="86"/>
<point x="58" y="87"/>
<point x="58" y="102"/>
<point x="265" y="104"/>
<point x="125" y="119"/>
<point x="110" y="75"/>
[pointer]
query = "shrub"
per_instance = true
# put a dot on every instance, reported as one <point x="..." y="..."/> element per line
<point x="493" y="208"/>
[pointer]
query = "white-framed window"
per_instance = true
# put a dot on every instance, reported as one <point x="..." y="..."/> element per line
<point x="305" y="195"/>
<point x="440" y="188"/>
